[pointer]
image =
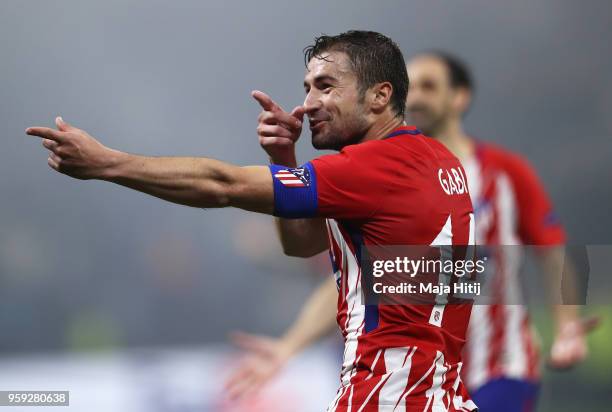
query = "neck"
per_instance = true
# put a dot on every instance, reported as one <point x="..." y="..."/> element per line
<point x="382" y="127"/>
<point x="452" y="136"/>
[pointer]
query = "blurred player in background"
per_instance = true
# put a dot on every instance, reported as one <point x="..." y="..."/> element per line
<point x="356" y="85"/>
<point x="511" y="208"/>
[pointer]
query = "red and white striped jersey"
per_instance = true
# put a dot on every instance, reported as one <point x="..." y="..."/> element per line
<point x="392" y="191"/>
<point x="511" y="208"/>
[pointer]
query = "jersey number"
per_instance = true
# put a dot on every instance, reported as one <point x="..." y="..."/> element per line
<point x="444" y="241"/>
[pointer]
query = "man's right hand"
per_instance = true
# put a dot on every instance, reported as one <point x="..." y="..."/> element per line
<point x="278" y="130"/>
<point x="74" y="152"/>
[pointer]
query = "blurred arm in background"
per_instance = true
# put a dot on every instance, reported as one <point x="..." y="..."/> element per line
<point x="569" y="345"/>
<point x="278" y="131"/>
<point x="539" y="225"/>
<point x="266" y="356"/>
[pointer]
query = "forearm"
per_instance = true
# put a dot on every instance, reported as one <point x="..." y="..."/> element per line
<point x="196" y="182"/>
<point x="298" y="237"/>
<point x="302" y="237"/>
<point x="563" y="297"/>
<point x="316" y="319"/>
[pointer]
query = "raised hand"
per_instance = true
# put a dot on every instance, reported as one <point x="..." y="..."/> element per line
<point x="264" y="358"/>
<point x="278" y="130"/>
<point x="570" y="347"/>
<point x="73" y="151"/>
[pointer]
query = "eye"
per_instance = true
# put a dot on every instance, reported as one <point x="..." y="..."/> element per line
<point x="429" y="85"/>
<point x="326" y="88"/>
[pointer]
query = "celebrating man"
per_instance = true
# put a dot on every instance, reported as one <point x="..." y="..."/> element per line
<point x="511" y="208"/>
<point x="381" y="189"/>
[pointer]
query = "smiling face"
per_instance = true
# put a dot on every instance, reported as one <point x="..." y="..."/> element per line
<point x="432" y="101"/>
<point x="334" y="105"/>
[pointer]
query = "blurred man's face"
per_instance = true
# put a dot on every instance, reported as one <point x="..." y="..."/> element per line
<point x="335" y="110"/>
<point x="429" y="104"/>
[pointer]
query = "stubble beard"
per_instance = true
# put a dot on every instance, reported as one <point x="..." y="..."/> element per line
<point x="339" y="136"/>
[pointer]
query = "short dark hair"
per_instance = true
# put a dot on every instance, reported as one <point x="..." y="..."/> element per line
<point x="375" y="58"/>
<point x="459" y="73"/>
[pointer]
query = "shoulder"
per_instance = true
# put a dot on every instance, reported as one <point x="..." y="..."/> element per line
<point x="503" y="159"/>
<point x="366" y="152"/>
<point x="411" y="146"/>
<point x="522" y="177"/>
<point x="399" y="150"/>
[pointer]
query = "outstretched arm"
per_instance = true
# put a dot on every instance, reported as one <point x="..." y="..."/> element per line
<point x="197" y="182"/>
<point x="278" y="131"/>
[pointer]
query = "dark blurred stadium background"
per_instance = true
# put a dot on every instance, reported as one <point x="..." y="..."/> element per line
<point x="103" y="290"/>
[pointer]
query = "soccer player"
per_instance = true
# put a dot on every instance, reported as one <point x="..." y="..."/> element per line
<point x="511" y="208"/>
<point x="382" y="188"/>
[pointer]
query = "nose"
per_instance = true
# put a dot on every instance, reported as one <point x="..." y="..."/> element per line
<point x="413" y="99"/>
<point x="312" y="103"/>
<point x="416" y="94"/>
<point x="413" y="94"/>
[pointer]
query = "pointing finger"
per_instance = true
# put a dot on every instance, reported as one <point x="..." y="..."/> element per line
<point x="265" y="101"/>
<point x="45" y="132"/>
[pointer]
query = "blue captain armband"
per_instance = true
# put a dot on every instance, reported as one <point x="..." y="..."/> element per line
<point x="295" y="191"/>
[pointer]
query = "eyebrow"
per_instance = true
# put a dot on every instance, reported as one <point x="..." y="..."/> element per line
<point x="321" y="78"/>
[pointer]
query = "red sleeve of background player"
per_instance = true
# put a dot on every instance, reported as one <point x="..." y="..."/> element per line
<point x="538" y="223"/>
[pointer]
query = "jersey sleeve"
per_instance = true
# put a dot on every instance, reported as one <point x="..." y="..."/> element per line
<point x="339" y="186"/>
<point x="538" y="224"/>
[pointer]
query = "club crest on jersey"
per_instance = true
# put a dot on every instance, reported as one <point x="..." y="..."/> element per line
<point x="298" y="177"/>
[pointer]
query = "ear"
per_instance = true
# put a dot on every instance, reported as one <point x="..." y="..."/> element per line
<point x="462" y="100"/>
<point x="380" y="96"/>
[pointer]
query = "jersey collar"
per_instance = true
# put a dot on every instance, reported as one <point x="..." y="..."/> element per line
<point x="411" y="130"/>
